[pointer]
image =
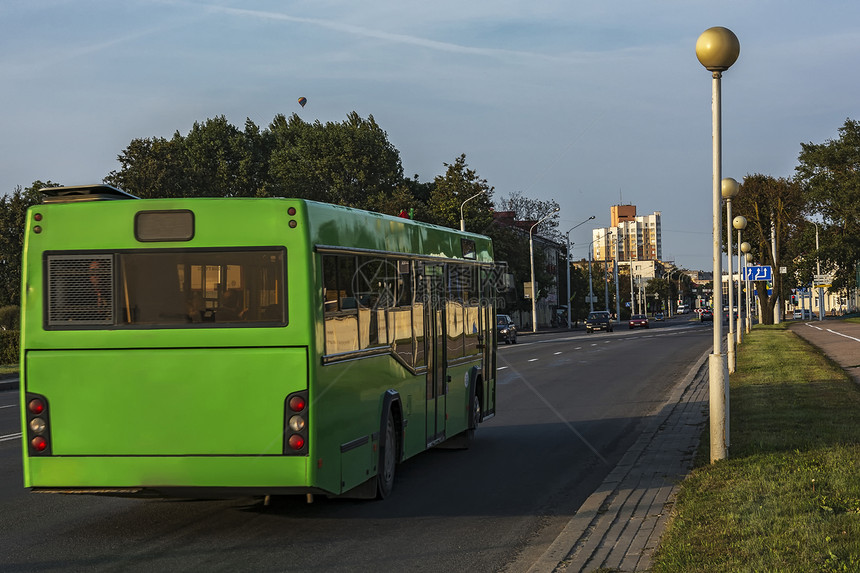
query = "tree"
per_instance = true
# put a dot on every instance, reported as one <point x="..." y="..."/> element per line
<point x="450" y="190"/>
<point x="13" y="215"/>
<point x="350" y="163"/>
<point x="527" y="209"/>
<point x="829" y="175"/>
<point x="773" y="207"/>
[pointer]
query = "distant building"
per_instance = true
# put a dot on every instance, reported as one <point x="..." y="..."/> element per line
<point x="630" y="238"/>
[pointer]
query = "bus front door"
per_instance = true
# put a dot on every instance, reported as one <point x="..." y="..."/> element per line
<point x="434" y="336"/>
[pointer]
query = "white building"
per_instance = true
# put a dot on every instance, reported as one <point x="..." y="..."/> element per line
<point x="630" y="238"/>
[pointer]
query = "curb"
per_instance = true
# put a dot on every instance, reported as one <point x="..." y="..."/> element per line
<point x="619" y="526"/>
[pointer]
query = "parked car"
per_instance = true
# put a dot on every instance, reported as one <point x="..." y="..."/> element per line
<point x="659" y="316"/>
<point x="638" y="321"/>
<point x="598" y="320"/>
<point x="506" y="329"/>
<point x="803" y="314"/>
<point x="706" y="315"/>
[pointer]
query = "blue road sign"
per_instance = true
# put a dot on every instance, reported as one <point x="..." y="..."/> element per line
<point x="763" y="273"/>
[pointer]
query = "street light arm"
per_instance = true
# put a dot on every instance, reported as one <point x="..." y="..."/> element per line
<point x="462" y="221"/>
<point x="532" y="265"/>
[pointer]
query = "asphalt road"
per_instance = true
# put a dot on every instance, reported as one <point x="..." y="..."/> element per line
<point x="570" y="404"/>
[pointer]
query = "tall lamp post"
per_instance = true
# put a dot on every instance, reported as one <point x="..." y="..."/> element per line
<point x="463" y="204"/>
<point x="615" y="273"/>
<point x="745" y="249"/>
<point x="729" y="188"/>
<point x="567" y="267"/>
<point x="740" y="223"/>
<point x="532" y="263"/>
<point x="818" y="271"/>
<point x="717" y="49"/>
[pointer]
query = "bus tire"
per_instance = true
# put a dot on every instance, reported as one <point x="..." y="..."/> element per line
<point x="387" y="459"/>
<point x="474" y="417"/>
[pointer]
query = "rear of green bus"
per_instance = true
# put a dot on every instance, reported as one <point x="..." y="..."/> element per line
<point x="160" y="353"/>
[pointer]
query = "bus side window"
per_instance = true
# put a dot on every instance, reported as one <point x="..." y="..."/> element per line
<point x="341" y="313"/>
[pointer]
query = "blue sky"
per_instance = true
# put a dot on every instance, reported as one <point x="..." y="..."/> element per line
<point x="588" y="103"/>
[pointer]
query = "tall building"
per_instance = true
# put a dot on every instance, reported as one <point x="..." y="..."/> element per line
<point x="630" y="238"/>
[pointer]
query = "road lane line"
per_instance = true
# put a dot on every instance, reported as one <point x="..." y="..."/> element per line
<point x="10" y="406"/>
<point x="501" y="368"/>
<point x="556" y="353"/>
<point x="533" y="360"/>
<point x="845" y="335"/>
<point x="9" y="437"/>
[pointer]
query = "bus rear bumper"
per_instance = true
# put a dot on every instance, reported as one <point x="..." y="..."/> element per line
<point x="170" y="475"/>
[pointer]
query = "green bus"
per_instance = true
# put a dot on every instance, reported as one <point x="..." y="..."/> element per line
<point x="225" y="346"/>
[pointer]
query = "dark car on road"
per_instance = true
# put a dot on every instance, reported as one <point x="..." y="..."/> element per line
<point x="706" y="315"/>
<point x="506" y="329"/>
<point x="598" y="320"/>
<point x="638" y="321"/>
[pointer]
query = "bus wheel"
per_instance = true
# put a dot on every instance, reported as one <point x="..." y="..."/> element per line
<point x="387" y="461"/>
<point x="475" y="415"/>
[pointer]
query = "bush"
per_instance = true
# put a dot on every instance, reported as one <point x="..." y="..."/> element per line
<point x="10" y="317"/>
<point x="9" y="346"/>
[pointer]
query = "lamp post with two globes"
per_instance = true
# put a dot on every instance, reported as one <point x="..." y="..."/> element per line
<point x="740" y="223"/>
<point x="748" y="259"/>
<point x="728" y="189"/>
<point x="745" y="249"/>
<point x="717" y="49"/>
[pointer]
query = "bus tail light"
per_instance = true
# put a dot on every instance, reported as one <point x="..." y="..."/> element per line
<point x="38" y="425"/>
<point x="296" y="424"/>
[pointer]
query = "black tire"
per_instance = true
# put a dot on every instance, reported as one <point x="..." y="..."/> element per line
<point x="514" y="341"/>
<point x="475" y="417"/>
<point x="387" y="460"/>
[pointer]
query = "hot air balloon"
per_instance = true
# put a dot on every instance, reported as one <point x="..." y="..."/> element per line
<point x="302" y="101"/>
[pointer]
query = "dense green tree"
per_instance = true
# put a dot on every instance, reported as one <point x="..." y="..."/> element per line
<point x="350" y="163"/>
<point x="772" y="206"/>
<point x="13" y="214"/>
<point x="829" y="174"/>
<point x="451" y="189"/>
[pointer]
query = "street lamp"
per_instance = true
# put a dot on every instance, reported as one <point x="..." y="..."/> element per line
<point x="818" y="270"/>
<point x="615" y="276"/>
<point x="739" y="223"/>
<point x="729" y="188"/>
<point x="746" y="248"/>
<point x="672" y="272"/>
<point x="463" y="221"/>
<point x="567" y="267"/>
<point x="717" y="49"/>
<point x="532" y="262"/>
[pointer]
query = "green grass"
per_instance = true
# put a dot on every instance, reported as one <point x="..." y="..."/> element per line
<point x="8" y="369"/>
<point x="788" y="497"/>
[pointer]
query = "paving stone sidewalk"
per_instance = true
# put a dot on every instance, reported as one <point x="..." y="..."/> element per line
<point x="620" y="524"/>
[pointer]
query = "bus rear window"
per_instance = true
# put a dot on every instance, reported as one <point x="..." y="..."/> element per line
<point x="166" y="288"/>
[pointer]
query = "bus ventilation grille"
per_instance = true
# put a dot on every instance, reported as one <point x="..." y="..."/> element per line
<point x="80" y="290"/>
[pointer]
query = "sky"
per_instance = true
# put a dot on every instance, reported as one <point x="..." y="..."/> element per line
<point x="591" y="104"/>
